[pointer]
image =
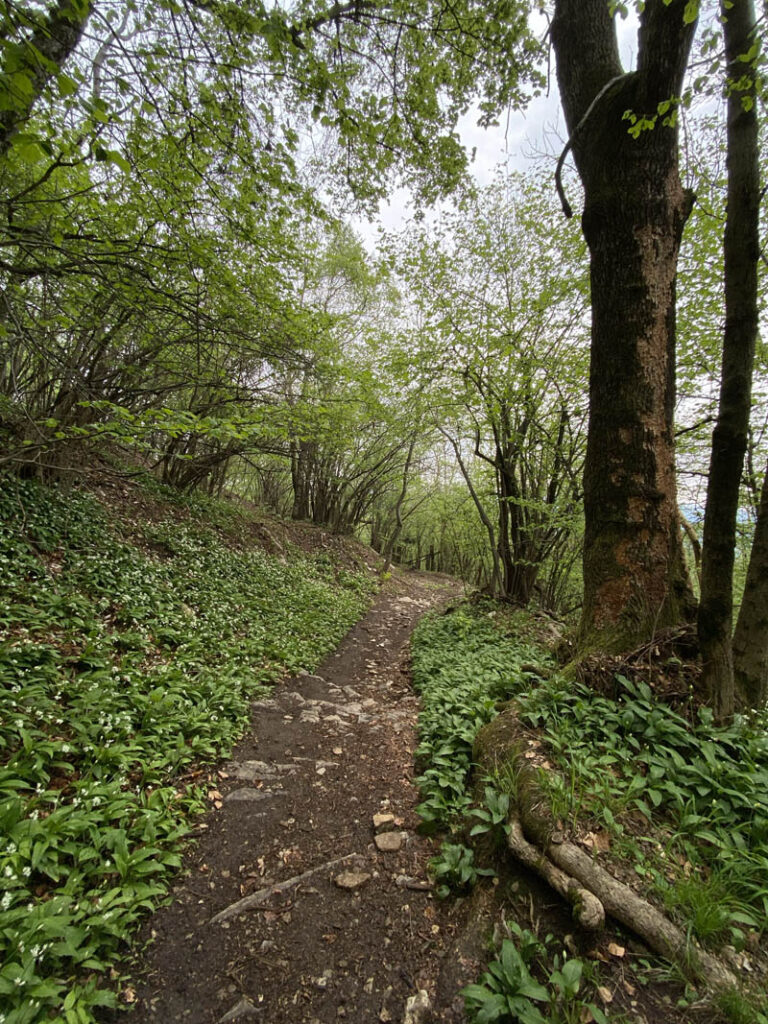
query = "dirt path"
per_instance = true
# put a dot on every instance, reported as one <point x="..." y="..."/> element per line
<point x="355" y="931"/>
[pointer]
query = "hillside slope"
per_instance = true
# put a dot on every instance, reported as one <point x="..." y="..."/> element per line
<point x="136" y="628"/>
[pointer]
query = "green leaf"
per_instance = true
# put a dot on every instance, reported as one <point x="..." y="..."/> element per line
<point x="114" y="156"/>
<point x="66" y="85"/>
<point x="691" y="11"/>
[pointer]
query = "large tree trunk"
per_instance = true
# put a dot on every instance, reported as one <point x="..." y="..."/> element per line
<point x="750" y="640"/>
<point x="741" y="250"/>
<point x="634" y="212"/>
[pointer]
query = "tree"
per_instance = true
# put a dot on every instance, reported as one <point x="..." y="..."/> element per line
<point x="497" y="346"/>
<point x="750" y="638"/>
<point x="37" y="44"/>
<point x="635" y="209"/>
<point x="741" y="250"/>
<point x="151" y="171"/>
<point x="208" y="107"/>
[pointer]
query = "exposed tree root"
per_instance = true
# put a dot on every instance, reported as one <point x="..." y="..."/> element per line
<point x="587" y="909"/>
<point x="537" y="841"/>
<point x="257" y="899"/>
<point x="635" y="913"/>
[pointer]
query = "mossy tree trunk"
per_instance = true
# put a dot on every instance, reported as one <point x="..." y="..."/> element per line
<point x="634" y="212"/>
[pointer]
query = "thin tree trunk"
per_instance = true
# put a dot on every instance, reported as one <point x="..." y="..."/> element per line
<point x="750" y="640"/>
<point x="496" y="578"/>
<point x="729" y="440"/>
<point x="301" y="469"/>
<point x="390" y="546"/>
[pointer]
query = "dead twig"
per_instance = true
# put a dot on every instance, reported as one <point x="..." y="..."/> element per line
<point x="257" y="899"/>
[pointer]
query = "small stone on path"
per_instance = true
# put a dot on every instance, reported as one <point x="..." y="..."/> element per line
<point x="383" y="822"/>
<point x="257" y="771"/>
<point x="417" y="1008"/>
<point x="409" y="882"/>
<point x="388" y="842"/>
<point x="351" y="880"/>
<point x="251" y="794"/>
<point x="239" y="1011"/>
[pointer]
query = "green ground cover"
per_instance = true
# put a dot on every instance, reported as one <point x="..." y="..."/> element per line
<point x="126" y="656"/>
<point x="683" y="801"/>
<point x="463" y="664"/>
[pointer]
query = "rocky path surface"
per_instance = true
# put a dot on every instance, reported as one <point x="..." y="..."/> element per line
<point x="306" y="897"/>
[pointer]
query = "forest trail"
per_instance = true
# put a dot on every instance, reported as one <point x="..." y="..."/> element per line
<point x="334" y="924"/>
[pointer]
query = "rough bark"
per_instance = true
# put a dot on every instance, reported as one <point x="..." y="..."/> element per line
<point x="750" y="639"/>
<point x="741" y="249"/>
<point x="634" y="212"/>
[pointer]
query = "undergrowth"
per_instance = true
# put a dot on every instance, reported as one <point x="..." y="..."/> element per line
<point x="632" y="762"/>
<point x="685" y="804"/>
<point x="463" y="665"/>
<point x="122" y="663"/>
<point x="508" y="991"/>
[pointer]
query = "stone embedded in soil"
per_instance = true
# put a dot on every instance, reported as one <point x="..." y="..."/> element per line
<point x="388" y="842"/>
<point x="257" y="771"/>
<point x="409" y="882"/>
<point x="251" y="794"/>
<point x="353" y="708"/>
<point x="417" y="1008"/>
<point x="240" y="1011"/>
<point x="383" y="822"/>
<point x="351" y="880"/>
